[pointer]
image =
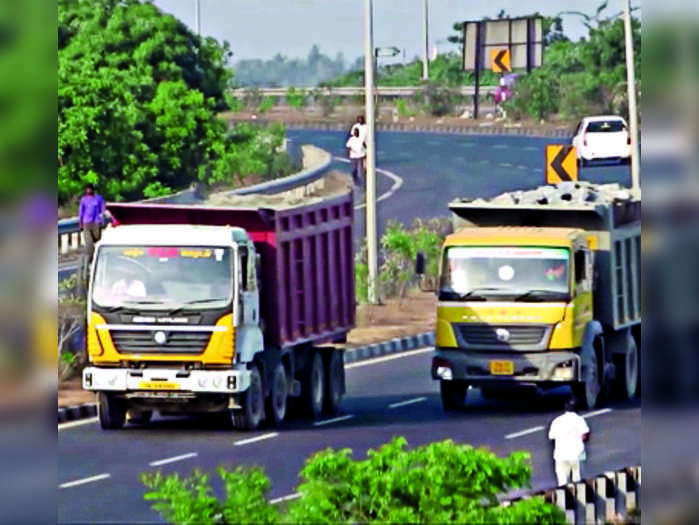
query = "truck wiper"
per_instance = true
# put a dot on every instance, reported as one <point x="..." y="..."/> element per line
<point x="179" y="308"/>
<point x="537" y="293"/>
<point x="473" y="295"/>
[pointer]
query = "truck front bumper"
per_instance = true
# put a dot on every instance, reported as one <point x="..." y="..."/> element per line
<point x="174" y="380"/>
<point x="481" y="368"/>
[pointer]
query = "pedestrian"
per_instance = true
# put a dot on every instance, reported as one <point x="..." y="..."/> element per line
<point x="356" y="149"/>
<point x="570" y="433"/>
<point x="360" y="124"/>
<point x="90" y="218"/>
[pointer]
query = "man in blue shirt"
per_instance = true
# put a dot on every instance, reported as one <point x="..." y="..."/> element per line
<point x="90" y="218"/>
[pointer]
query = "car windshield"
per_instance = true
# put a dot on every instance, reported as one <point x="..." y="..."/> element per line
<point x="153" y="276"/>
<point x="605" y="126"/>
<point x="504" y="273"/>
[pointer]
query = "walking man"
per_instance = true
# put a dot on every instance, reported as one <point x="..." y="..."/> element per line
<point x="90" y="218"/>
<point x="360" y="124"/>
<point x="570" y="433"/>
<point x="356" y="148"/>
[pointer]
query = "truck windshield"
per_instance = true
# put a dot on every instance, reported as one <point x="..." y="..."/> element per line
<point x="151" y="276"/>
<point x="480" y="273"/>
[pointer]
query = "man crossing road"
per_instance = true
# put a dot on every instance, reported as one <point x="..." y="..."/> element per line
<point x="570" y="433"/>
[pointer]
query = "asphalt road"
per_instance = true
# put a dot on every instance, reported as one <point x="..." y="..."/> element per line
<point x="100" y="471"/>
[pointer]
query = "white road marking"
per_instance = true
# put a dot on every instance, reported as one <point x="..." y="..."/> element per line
<point x="500" y="146"/>
<point x="397" y="183"/>
<point x="285" y="498"/>
<point x="334" y="420"/>
<point x="172" y="459"/>
<point x="388" y="358"/>
<point x="83" y="481"/>
<point x="81" y="422"/>
<point x="505" y="165"/>
<point x="540" y="428"/>
<point x="522" y="167"/>
<point x="408" y="402"/>
<point x="256" y="439"/>
<point x="530" y="148"/>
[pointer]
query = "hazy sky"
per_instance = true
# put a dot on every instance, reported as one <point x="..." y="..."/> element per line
<point x="263" y="28"/>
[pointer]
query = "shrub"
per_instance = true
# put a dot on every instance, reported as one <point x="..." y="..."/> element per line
<point x="295" y="99"/>
<point x="266" y="104"/>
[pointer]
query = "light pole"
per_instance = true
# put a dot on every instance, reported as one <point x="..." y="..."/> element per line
<point x="372" y="237"/>
<point x="425" y="39"/>
<point x="197" y="17"/>
<point x="633" y="112"/>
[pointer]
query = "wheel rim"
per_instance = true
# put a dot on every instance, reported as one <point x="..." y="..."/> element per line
<point x="632" y="370"/>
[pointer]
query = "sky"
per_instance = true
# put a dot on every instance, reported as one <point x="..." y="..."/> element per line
<point x="263" y="28"/>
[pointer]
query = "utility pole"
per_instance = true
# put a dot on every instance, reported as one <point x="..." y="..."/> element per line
<point x="425" y="51"/>
<point x="372" y="236"/>
<point x="197" y="17"/>
<point x="633" y="112"/>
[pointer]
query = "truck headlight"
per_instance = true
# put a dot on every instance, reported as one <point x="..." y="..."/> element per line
<point x="217" y="382"/>
<point x="202" y="382"/>
<point x="564" y="372"/>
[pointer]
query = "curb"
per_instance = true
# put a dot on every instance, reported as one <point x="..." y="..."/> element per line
<point x="352" y="355"/>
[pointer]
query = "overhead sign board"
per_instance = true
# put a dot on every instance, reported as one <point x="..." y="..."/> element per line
<point x="522" y="37"/>
<point x="561" y="163"/>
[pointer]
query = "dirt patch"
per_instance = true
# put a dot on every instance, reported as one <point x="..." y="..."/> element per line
<point x="375" y="323"/>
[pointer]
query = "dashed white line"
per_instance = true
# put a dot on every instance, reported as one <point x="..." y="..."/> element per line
<point x="285" y="498"/>
<point x="334" y="420"/>
<point x="408" y="402"/>
<point x="71" y="424"/>
<point x="505" y="165"/>
<point x="522" y="167"/>
<point x="388" y="358"/>
<point x="83" y="481"/>
<point x="256" y="439"/>
<point x="172" y="459"/>
<point x="540" y="428"/>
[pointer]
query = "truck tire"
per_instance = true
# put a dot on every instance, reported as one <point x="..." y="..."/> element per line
<point x="140" y="417"/>
<point x="111" y="411"/>
<point x="588" y="390"/>
<point x="626" y="381"/>
<point x="252" y="402"/>
<point x="313" y="387"/>
<point x="276" y="403"/>
<point x="453" y="394"/>
<point x="334" y="382"/>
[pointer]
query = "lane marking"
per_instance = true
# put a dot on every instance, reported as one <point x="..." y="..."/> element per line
<point x="408" y="402"/>
<point x="388" y="358"/>
<point x="540" y="428"/>
<point x="397" y="183"/>
<point x="83" y="481"/>
<point x="256" y="439"/>
<point x="334" y="420"/>
<point x="71" y="424"/>
<point x="173" y="459"/>
<point x="500" y="146"/>
<point x="530" y="148"/>
<point x="505" y="165"/>
<point x="285" y="498"/>
<point x="522" y="167"/>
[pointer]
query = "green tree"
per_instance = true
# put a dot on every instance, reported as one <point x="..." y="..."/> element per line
<point x="138" y="97"/>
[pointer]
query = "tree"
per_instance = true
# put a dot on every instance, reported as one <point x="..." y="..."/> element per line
<point x="138" y="97"/>
<point x="71" y="318"/>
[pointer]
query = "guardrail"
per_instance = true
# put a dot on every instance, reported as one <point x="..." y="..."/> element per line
<point x="384" y="91"/>
<point x="315" y="162"/>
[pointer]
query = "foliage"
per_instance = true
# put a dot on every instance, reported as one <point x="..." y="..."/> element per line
<point x="138" y="97"/>
<point x="326" y="100"/>
<point x="403" y="109"/>
<point x="71" y="318"/>
<point x="295" y="98"/>
<point x="266" y="104"/>
<point x="441" y="482"/>
<point x="436" y="99"/>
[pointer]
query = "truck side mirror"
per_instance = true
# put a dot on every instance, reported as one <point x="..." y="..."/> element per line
<point x="420" y="263"/>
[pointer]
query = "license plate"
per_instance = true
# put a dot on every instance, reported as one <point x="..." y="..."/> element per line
<point x="502" y="368"/>
<point x="158" y="385"/>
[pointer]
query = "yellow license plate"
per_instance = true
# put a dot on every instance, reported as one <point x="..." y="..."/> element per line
<point x="158" y="385"/>
<point x="502" y="368"/>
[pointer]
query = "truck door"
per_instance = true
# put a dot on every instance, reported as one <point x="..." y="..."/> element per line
<point x="249" y="298"/>
<point x="582" y="292"/>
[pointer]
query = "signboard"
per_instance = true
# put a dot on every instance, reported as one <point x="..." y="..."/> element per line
<point x="500" y="61"/>
<point x="561" y="163"/>
<point x="522" y="37"/>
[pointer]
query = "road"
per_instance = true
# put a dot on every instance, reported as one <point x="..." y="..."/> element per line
<point x="101" y="469"/>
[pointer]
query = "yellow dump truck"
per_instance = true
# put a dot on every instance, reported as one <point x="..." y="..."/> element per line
<point x="539" y="293"/>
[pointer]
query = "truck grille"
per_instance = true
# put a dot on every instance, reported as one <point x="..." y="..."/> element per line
<point x="135" y="341"/>
<point x="518" y="337"/>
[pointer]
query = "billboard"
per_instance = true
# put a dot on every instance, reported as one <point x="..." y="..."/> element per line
<point x="503" y="44"/>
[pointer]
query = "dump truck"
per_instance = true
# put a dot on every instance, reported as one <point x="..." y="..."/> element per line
<point x="220" y="309"/>
<point x="540" y="289"/>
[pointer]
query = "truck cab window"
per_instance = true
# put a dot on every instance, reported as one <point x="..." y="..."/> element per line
<point x="580" y="273"/>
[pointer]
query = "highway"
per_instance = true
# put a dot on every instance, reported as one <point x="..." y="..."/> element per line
<point x="100" y="471"/>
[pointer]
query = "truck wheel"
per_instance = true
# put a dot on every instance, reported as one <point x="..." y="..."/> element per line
<point x="252" y="401"/>
<point x="112" y="411"/>
<point x="587" y="392"/>
<point x="626" y="381"/>
<point x="276" y="402"/>
<point x="313" y="387"/>
<point x="453" y="394"/>
<point x="140" y="417"/>
<point x="334" y="383"/>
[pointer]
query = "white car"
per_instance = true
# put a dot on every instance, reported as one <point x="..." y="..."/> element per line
<point x="602" y="138"/>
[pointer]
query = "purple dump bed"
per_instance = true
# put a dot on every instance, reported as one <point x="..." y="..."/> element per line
<point x="307" y="291"/>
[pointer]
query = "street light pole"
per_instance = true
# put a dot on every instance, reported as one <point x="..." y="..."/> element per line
<point x="633" y="112"/>
<point x="372" y="236"/>
<point x="426" y="44"/>
<point x="197" y="17"/>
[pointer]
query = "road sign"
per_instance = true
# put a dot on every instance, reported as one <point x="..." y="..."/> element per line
<point x="500" y="60"/>
<point x="561" y="163"/>
<point x="387" y="51"/>
<point x="522" y="37"/>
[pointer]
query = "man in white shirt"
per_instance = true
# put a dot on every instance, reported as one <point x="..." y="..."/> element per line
<point x="357" y="154"/>
<point x="361" y="126"/>
<point x="569" y="432"/>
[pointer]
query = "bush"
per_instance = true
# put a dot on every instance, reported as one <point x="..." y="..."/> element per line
<point x="266" y="104"/>
<point x="437" y="99"/>
<point x="403" y="109"/>
<point x="295" y="99"/>
<point x="442" y="482"/>
<point x="71" y="318"/>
